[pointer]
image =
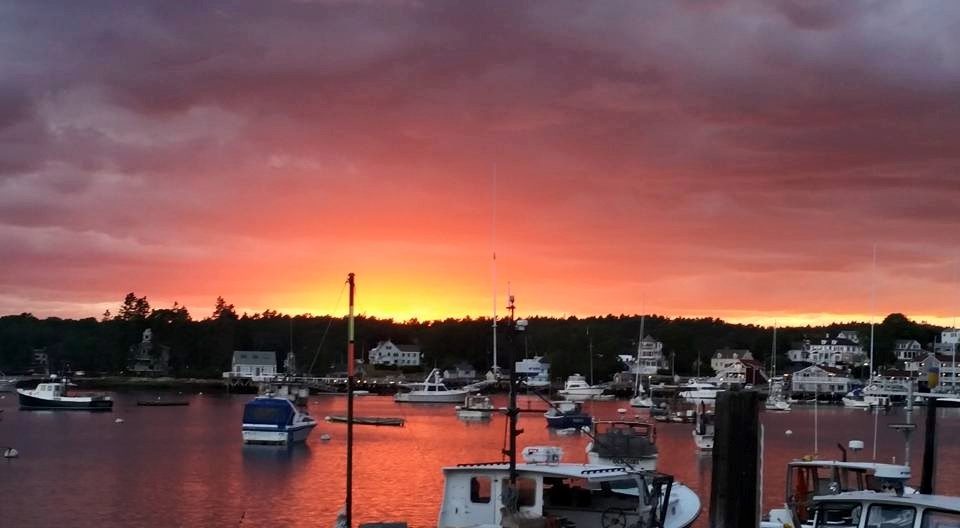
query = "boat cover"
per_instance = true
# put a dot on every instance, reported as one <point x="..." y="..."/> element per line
<point x="268" y="411"/>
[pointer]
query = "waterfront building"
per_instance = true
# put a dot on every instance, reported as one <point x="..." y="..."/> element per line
<point x="725" y="358"/>
<point x="387" y="354"/>
<point x="460" y="371"/>
<point x="830" y="351"/>
<point x="822" y="379"/>
<point x="907" y="349"/>
<point x="257" y="365"/>
<point x="742" y="371"/>
<point x="648" y="359"/>
<point x="148" y="358"/>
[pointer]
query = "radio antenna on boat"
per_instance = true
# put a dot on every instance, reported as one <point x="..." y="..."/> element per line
<point x="873" y="318"/>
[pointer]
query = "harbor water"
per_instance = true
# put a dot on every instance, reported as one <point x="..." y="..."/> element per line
<point x="187" y="466"/>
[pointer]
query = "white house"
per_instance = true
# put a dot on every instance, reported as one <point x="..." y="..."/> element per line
<point x="821" y="379"/>
<point x="650" y="354"/>
<point x="254" y="364"/>
<point x="725" y="358"/>
<point x="849" y="335"/>
<point x="831" y="351"/>
<point x="907" y="349"/>
<point x="460" y="371"/>
<point x="388" y="354"/>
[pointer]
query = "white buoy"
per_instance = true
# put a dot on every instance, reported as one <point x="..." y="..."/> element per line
<point x="200" y="393"/>
<point x="622" y="411"/>
<point x="325" y="437"/>
<point x="788" y="432"/>
<point x="10" y="452"/>
<point x="118" y="420"/>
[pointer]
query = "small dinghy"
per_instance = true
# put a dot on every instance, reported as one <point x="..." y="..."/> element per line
<point x="369" y="420"/>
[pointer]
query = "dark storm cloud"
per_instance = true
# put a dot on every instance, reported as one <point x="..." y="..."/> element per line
<point x="726" y="125"/>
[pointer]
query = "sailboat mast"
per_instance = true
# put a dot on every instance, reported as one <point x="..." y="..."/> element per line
<point x="773" y="353"/>
<point x="636" y="382"/>
<point x="350" y="343"/>
<point x="493" y="250"/>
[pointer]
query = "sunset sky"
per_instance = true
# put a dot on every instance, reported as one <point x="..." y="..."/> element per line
<point x="735" y="159"/>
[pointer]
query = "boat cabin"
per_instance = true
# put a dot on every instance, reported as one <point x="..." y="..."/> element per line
<point x="624" y="441"/>
<point x="50" y="390"/>
<point x="809" y="478"/>
<point x="872" y="510"/>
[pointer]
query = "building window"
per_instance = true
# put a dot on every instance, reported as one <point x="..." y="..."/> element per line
<point x="527" y="492"/>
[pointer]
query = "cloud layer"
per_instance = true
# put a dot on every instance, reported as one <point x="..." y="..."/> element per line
<point x="736" y="158"/>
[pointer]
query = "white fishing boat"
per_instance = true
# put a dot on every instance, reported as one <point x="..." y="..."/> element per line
<point x="476" y="407"/>
<point x="7" y="383"/>
<point x="275" y="420"/>
<point x="866" y="509"/>
<point x="777" y="400"/>
<point x="624" y="442"/>
<point x="431" y="390"/>
<point x="809" y="478"/>
<point x="857" y="399"/>
<point x="703" y="430"/>
<point x="549" y="492"/>
<point x="55" y="395"/>
<point x="576" y="388"/>
<point x="697" y="392"/>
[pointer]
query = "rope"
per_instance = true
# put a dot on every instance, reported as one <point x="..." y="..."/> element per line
<point x="325" y="332"/>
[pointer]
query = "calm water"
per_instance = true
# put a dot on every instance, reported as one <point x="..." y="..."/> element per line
<point x="186" y="466"/>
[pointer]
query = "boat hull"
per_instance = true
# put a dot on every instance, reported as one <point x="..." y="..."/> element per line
<point x="640" y="464"/>
<point x="28" y="402"/>
<point x="431" y="397"/>
<point x="569" y="421"/>
<point x="474" y="414"/>
<point x="704" y="442"/>
<point x="253" y="434"/>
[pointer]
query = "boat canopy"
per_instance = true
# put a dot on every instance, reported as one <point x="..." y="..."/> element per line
<point x="269" y="411"/>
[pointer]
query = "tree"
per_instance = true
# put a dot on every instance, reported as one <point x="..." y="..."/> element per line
<point x="133" y="308"/>
<point x="222" y="310"/>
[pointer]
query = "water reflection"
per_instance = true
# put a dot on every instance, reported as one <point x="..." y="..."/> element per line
<point x="187" y="466"/>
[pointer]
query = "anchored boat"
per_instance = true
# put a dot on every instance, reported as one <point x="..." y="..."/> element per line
<point x="55" y="396"/>
<point x="275" y="420"/>
<point x="567" y="414"/>
<point x="624" y="442"/>
<point x="431" y="390"/>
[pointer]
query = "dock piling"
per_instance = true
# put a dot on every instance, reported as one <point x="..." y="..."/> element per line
<point x="734" y="498"/>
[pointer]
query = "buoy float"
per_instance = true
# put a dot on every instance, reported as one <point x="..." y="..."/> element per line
<point x="118" y="420"/>
<point x="10" y="452"/>
<point x="788" y="432"/>
<point x="325" y="437"/>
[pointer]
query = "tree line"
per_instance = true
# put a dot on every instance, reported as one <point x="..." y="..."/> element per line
<point x="204" y="347"/>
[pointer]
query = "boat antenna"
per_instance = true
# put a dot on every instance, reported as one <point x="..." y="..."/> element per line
<point x="350" y="361"/>
<point x="513" y="411"/>
<point x="773" y="352"/>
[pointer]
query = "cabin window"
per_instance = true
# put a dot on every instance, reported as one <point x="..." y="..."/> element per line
<point x="940" y="519"/>
<point x="840" y="515"/>
<point x="480" y="490"/>
<point x="890" y="516"/>
<point x="527" y="491"/>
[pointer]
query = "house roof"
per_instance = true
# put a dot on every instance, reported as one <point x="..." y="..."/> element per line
<point x="408" y="348"/>
<point x="825" y="368"/>
<point x="906" y="342"/>
<point x="728" y="353"/>
<point x="254" y="357"/>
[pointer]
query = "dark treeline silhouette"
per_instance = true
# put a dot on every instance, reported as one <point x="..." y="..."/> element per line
<point x="203" y="348"/>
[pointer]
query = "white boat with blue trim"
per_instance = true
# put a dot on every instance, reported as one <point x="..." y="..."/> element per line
<point x="275" y="420"/>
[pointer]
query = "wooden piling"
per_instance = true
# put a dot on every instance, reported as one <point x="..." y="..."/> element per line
<point x="734" y="498"/>
<point x="929" y="448"/>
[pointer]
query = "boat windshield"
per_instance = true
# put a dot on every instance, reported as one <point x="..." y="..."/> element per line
<point x="838" y="515"/>
<point x="268" y="412"/>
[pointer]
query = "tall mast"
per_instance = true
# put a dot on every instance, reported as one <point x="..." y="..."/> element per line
<point x="636" y="382"/>
<point x="493" y="250"/>
<point x="773" y="353"/>
<point x="350" y="338"/>
<point x="873" y="307"/>
<point x="512" y="410"/>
